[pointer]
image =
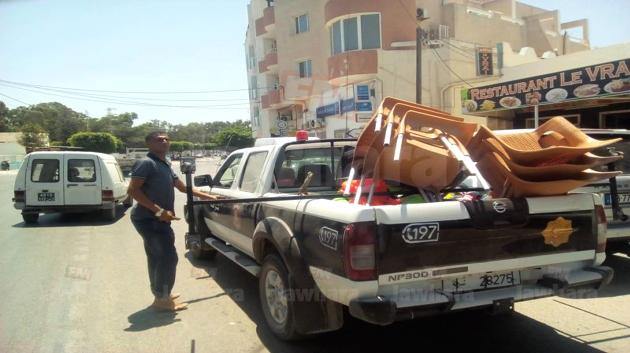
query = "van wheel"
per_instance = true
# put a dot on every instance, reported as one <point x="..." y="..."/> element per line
<point x="109" y="214"/>
<point x="30" y="218"/>
<point x="128" y="202"/>
<point x="275" y="298"/>
<point x="203" y="232"/>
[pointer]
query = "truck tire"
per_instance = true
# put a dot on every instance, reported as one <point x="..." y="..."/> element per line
<point x="128" y="202"/>
<point x="203" y="232"/>
<point x="30" y="218"/>
<point x="109" y="214"/>
<point x="275" y="298"/>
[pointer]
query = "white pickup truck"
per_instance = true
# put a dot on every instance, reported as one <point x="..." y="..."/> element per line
<point x="316" y="254"/>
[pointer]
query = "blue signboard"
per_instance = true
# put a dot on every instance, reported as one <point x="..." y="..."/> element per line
<point x="364" y="106"/>
<point x="347" y="105"/>
<point x="327" y="110"/>
<point x="363" y="93"/>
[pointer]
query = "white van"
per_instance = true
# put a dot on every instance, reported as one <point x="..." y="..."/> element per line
<point x="69" y="182"/>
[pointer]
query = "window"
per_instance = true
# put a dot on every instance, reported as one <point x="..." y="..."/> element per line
<point x="253" y="94"/>
<point x="299" y="161"/>
<point x="301" y="24"/>
<point x="228" y="172"/>
<point x="252" y="172"/>
<point x="357" y="33"/>
<point x="45" y="171"/>
<point x="304" y="68"/>
<point x="81" y="171"/>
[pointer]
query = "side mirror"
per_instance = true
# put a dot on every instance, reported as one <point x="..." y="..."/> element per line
<point x="203" y="180"/>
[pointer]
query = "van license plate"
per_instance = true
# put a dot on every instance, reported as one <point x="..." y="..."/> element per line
<point x="623" y="198"/>
<point x="482" y="281"/>
<point x="46" y="196"/>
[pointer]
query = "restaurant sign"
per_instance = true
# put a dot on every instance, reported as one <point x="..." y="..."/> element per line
<point x="581" y="83"/>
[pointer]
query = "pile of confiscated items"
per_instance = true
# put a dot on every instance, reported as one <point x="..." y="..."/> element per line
<point x="551" y="160"/>
<point x="416" y="146"/>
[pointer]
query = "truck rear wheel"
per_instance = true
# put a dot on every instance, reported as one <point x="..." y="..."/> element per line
<point x="30" y="218"/>
<point x="275" y="298"/>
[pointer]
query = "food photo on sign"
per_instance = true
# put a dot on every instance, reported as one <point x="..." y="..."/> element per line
<point x="581" y="83"/>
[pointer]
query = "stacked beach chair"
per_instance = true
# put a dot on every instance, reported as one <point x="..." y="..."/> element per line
<point x="417" y="146"/>
<point x="551" y="160"/>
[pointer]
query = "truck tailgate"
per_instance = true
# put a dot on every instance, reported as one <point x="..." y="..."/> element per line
<point x="446" y="234"/>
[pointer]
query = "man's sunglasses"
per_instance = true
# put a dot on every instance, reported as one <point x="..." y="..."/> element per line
<point x="161" y="139"/>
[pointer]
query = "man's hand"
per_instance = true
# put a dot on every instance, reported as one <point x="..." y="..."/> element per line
<point x="167" y="216"/>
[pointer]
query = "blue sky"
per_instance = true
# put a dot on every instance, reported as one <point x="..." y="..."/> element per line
<point x="170" y="46"/>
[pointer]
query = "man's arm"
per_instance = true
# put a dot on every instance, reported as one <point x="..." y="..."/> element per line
<point x="135" y="190"/>
<point x="179" y="185"/>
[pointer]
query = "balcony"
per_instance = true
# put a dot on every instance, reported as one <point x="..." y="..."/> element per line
<point x="270" y="64"/>
<point x="272" y="99"/>
<point x="335" y="9"/>
<point x="266" y="24"/>
<point x="351" y="67"/>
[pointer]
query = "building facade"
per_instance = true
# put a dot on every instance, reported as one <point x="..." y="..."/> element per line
<point x="325" y="65"/>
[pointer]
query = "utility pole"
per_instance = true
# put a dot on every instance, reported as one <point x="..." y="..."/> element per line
<point x="420" y="16"/>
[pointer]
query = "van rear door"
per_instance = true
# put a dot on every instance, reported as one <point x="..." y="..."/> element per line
<point x="44" y="180"/>
<point x="83" y="179"/>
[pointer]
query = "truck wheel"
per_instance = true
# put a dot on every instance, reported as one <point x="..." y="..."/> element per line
<point x="203" y="232"/>
<point x="30" y="218"/>
<point x="275" y="298"/>
<point x="109" y="214"/>
<point x="128" y="202"/>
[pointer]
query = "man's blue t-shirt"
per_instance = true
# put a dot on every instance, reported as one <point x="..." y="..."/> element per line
<point x="159" y="181"/>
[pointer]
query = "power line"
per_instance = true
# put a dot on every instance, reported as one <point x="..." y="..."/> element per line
<point x="449" y="68"/>
<point x="111" y="96"/>
<point x="472" y="56"/>
<point x="17" y="100"/>
<point x="107" y="100"/>
<point x="125" y="92"/>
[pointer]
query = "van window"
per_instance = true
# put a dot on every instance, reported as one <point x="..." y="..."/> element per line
<point x="252" y="171"/>
<point x="121" y="177"/>
<point x="45" y="171"/>
<point x="81" y="170"/>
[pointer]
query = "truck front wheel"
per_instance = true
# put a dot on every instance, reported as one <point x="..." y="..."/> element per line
<point x="276" y="299"/>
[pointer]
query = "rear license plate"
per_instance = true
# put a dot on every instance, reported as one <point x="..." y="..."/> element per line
<point x="482" y="281"/>
<point x="623" y="198"/>
<point x="46" y="196"/>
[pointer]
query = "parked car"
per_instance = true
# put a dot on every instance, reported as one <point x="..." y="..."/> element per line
<point x="69" y="182"/>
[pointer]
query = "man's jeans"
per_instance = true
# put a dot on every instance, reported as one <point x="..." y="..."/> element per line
<point x="159" y="244"/>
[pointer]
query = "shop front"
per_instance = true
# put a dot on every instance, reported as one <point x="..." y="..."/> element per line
<point x="593" y="96"/>
<point x="345" y="113"/>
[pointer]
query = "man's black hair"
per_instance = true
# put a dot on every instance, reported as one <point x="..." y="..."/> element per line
<point x="151" y="135"/>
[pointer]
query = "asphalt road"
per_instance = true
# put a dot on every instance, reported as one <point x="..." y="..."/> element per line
<point x="79" y="284"/>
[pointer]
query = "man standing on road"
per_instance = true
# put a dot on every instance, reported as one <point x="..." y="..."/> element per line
<point x="152" y="186"/>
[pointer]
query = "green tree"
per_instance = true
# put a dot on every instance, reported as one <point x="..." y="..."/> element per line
<point x="177" y="146"/>
<point x="235" y="136"/>
<point x="209" y="146"/>
<point x="94" y="141"/>
<point x="33" y="136"/>
<point x="4" y="117"/>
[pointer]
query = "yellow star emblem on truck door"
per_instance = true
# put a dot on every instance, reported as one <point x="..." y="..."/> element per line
<point x="557" y="232"/>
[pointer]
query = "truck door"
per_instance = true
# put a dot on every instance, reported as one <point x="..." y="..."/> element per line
<point x="44" y="185"/>
<point x="249" y="186"/>
<point x="220" y="217"/>
<point x="83" y="180"/>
